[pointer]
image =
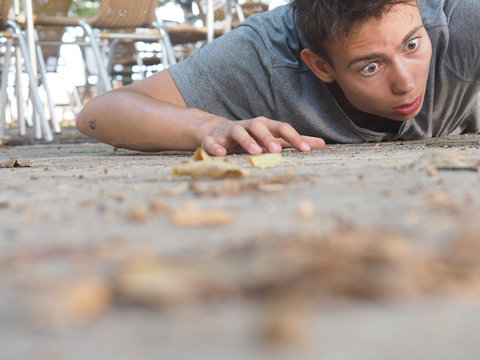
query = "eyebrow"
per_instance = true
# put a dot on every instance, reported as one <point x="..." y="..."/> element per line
<point x="374" y="56"/>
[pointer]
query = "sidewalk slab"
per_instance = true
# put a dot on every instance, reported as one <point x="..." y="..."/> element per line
<point x="61" y="199"/>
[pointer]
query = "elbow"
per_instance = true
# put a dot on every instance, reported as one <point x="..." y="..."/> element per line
<point x="93" y="122"/>
<point x="81" y="122"/>
<point x="84" y="122"/>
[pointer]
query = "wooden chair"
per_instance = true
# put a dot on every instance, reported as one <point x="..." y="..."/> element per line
<point x="45" y="33"/>
<point x="49" y="37"/>
<point x="252" y="8"/>
<point x="115" y="20"/>
<point x="191" y="30"/>
<point x="229" y="12"/>
<point x="121" y="14"/>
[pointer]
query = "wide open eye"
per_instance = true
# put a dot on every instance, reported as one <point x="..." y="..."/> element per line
<point x="370" y="69"/>
<point x="412" y="45"/>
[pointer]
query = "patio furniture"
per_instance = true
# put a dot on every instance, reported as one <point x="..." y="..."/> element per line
<point x="15" y="42"/>
<point x="115" y="21"/>
<point x="57" y="8"/>
<point x="229" y="12"/>
<point x="50" y="38"/>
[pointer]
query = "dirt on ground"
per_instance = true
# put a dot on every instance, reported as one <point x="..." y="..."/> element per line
<point x="368" y="251"/>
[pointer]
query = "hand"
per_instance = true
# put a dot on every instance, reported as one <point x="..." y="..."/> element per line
<point x="256" y="135"/>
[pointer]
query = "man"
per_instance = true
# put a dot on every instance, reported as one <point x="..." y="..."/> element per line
<point x="343" y="71"/>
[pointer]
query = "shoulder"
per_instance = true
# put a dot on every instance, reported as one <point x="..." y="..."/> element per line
<point x="453" y="27"/>
<point x="277" y="31"/>
<point x="456" y="15"/>
<point x="463" y="17"/>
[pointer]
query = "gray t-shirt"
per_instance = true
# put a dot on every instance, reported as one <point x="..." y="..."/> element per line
<point x="256" y="70"/>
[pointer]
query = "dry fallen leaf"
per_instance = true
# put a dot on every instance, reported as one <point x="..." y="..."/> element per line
<point x="306" y="209"/>
<point x="201" y="155"/>
<point x="286" y="320"/>
<point x="14" y="163"/>
<point x="138" y="213"/>
<point x="154" y="283"/>
<point x="439" y="199"/>
<point x="266" y="160"/>
<point x="86" y="299"/>
<point x="212" y="169"/>
<point x="202" y="165"/>
<point x="72" y="302"/>
<point x="158" y="206"/>
<point x="192" y="215"/>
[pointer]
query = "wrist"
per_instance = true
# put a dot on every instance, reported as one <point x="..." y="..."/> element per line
<point x="205" y="126"/>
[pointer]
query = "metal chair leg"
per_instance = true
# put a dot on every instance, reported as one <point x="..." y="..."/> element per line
<point x="37" y="102"/>
<point x="240" y="13"/>
<point x="76" y="96"/>
<point x="4" y="84"/>
<point x="170" y="53"/>
<point x="43" y="72"/>
<point x="21" y="113"/>
<point x="66" y="75"/>
<point x="111" y="54"/>
<point x="141" y="66"/>
<point x="102" y="70"/>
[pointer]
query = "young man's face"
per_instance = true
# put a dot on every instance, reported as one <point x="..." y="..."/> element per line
<point x="383" y="68"/>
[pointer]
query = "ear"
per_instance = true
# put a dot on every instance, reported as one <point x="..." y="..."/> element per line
<point x="320" y="67"/>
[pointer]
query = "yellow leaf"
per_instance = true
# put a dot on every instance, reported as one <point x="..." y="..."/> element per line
<point x="203" y="165"/>
<point x="191" y="215"/>
<point x="266" y="160"/>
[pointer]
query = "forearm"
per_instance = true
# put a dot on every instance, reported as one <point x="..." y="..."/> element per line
<point x="151" y="115"/>
<point x="133" y="120"/>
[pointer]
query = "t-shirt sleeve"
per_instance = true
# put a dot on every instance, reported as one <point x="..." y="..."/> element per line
<point x="230" y="77"/>
<point x="464" y="42"/>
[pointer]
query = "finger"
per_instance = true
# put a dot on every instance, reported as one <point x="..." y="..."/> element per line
<point x="290" y="135"/>
<point x="240" y="135"/>
<point x="213" y="147"/>
<point x="284" y="144"/>
<point x="263" y="135"/>
<point x="314" y="142"/>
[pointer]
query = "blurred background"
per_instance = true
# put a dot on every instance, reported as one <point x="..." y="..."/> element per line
<point x="65" y="68"/>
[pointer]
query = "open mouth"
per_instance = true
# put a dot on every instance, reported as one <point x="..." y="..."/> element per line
<point x="409" y="108"/>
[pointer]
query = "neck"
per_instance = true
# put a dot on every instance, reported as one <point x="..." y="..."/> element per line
<point x="360" y="118"/>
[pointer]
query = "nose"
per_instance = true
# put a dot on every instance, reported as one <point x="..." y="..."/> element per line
<point x="402" y="78"/>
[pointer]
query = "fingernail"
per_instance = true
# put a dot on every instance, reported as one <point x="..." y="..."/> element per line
<point x="273" y="147"/>
<point x="304" y="146"/>
<point x="254" y="149"/>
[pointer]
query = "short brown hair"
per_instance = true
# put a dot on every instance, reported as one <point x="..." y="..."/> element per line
<point x="322" y="21"/>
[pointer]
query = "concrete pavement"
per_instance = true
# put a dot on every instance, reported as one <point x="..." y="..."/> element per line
<point x="69" y="207"/>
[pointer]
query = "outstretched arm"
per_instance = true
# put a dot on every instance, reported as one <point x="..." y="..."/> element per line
<point x="151" y="115"/>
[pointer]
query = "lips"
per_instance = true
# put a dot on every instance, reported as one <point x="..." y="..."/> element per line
<point x="409" y="108"/>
